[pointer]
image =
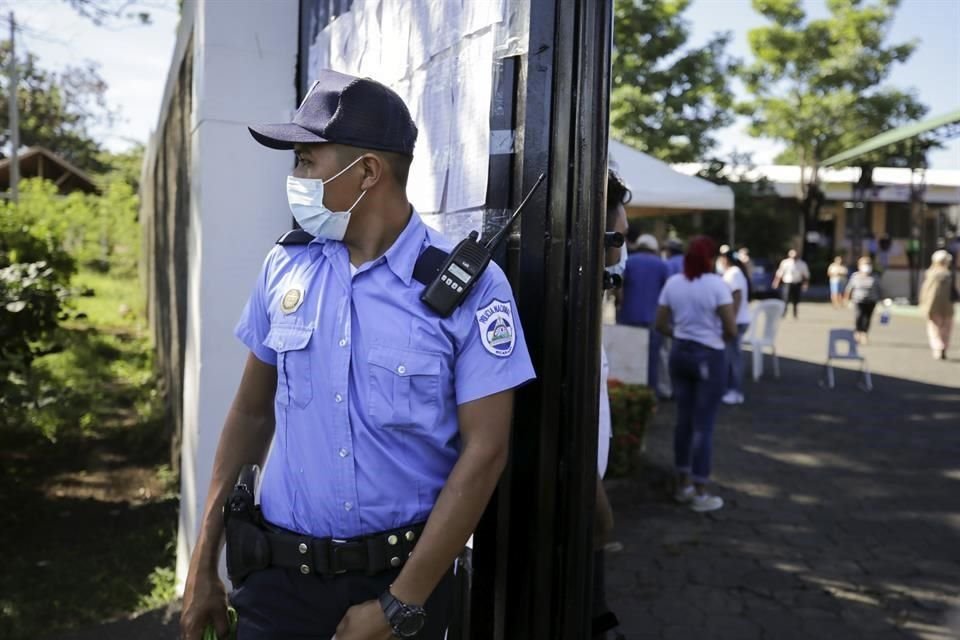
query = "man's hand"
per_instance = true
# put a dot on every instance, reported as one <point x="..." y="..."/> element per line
<point x="364" y="621"/>
<point x="204" y="602"/>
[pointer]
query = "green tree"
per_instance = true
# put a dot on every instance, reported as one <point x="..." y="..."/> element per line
<point x="667" y="99"/>
<point x="758" y="210"/>
<point x="816" y="85"/>
<point x="124" y="166"/>
<point x="57" y="110"/>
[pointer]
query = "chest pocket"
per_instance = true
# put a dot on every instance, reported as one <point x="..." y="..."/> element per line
<point x="294" y="382"/>
<point x="404" y="387"/>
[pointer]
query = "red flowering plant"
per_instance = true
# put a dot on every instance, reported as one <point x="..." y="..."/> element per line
<point x="631" y="407"/>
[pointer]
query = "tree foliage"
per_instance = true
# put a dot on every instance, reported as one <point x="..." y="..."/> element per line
<point x="57" y="110"/>
<point x="817" y="84"/>
<point x="758" y="210"/>
<point x="111" y="12"/>
<point x="667" y="99"/>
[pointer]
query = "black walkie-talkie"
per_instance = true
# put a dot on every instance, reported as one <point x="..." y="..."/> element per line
<point x="465" y="265"/>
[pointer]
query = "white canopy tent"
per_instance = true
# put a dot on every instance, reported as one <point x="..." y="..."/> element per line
<point x="656" y="186"/>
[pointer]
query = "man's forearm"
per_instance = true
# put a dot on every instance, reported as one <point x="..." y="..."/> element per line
<point x="245" y="440"/>
<point x="453" y="519"/>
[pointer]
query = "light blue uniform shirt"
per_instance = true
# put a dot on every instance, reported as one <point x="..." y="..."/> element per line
<point x="369" y="380"/>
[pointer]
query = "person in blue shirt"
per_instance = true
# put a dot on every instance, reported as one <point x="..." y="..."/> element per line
<point x="387" y="425"/>
<point x="643" y="278"/>
<point x="674" y="257"/>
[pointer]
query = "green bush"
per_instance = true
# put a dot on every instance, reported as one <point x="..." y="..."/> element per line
<point x="631" y="408"/>
<point x="35" y="271"/>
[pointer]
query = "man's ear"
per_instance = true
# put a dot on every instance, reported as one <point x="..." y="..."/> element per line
<point x="373" y="168"/>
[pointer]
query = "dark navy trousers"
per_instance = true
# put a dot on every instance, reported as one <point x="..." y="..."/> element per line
<point x="283" y="604"/>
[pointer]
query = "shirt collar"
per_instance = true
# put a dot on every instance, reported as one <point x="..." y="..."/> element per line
<point x="402" y="255"/>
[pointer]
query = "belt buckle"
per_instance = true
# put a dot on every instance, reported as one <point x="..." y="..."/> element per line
<point x="338" y="547"/>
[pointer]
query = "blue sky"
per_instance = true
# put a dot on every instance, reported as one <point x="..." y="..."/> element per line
<point x="134" y="60"/>
<point x="933" y="70"/>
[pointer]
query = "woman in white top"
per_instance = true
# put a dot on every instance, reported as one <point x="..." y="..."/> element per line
<point x="837" y="272"/>
<point x="696" y="309"/>
<point x="731" y="270"/>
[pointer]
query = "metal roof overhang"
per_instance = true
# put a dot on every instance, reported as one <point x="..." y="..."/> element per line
<point x="894" y="136"/>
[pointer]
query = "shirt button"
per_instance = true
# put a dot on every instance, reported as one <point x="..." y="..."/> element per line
<point x="280" y="343"/>
<point x="401" y="369"/>
<point x="343" y="453"/>
<point x="338" y="398"/>
<point x="343" y="342"/>
<point x="348" y="505"/>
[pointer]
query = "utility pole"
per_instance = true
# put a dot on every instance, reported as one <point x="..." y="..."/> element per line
<point x="14" y="115"/>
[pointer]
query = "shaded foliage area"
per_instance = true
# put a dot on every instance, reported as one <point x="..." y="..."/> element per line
<point x="43" y="238"/>
<point x="764" y="223"/>
<point x="667" y="98"/>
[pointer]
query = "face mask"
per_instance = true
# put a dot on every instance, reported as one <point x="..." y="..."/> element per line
<point x="618" y="268"/>
<point x="305" y="197"/>
<point x="719" y="268"/>
<point x="866" y="269"/>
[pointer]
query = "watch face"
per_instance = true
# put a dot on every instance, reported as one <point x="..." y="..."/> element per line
<point x="410" y="624"/>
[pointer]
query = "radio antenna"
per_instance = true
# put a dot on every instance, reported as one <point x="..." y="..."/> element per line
<point x="498" y="238"/>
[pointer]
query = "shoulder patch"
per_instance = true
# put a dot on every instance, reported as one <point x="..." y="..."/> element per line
<point x="497" y="331"/>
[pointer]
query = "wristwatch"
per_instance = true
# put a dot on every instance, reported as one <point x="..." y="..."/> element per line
<point x="406" y="620"/>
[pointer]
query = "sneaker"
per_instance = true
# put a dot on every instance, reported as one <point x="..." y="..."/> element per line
<point x="685" y="494"/>
<point x="731" y="397"/>
<point x="703" y="502"/>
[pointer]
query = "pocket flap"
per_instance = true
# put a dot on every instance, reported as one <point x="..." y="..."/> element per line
<point x="405" y="363"/>
<point x="287" y="338"/>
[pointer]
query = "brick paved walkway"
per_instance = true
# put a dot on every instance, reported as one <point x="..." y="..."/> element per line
<point x="843" y="508"/>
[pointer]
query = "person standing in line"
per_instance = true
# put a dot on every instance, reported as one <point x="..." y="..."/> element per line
<point x="674" y="262"/>
<point x="674" y="257"/>
<point x="837" y="274"/>
<point x="615" y="259"/>
<point x="794" y="275"/>
<point x="936" y="302"/>
<point x="743" y="257"/>
<point x="863" y="289"/>
<point x="696" y="309"/>
<point x="732" y="272"/>
<point x="643" y="278"/>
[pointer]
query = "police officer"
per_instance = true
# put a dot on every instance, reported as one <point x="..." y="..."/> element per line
<point x="389" y="424"/>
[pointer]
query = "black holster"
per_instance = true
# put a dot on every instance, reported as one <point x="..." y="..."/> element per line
<point x="247" y="546"/>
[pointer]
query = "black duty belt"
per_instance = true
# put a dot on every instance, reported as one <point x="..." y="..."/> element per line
<point x="371" y="554"/>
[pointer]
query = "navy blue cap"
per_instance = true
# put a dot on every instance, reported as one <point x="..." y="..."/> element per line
<point x="357" y="112"/>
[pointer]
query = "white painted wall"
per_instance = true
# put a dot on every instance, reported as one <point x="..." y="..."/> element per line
<point x="244" y="64"/>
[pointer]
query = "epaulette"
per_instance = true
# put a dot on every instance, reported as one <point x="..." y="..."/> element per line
<point x="295" y="237"/>
<point x="429" y="264"/>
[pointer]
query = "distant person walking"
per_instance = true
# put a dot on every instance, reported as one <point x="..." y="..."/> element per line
<point x="794" y="275"/>
<point x="863" y="290"/>
<point x="936" y="302"/>
<point x="837" y="273"/>
<point x="696" y="309"/>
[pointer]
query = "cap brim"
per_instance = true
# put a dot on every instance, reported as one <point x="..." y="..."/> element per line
<point x="283" y="136"/>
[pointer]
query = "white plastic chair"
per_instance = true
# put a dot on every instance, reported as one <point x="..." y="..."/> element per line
<point x="768" y="313"/>
<point x="846" y="339"/>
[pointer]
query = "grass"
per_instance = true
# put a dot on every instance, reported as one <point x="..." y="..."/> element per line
<point x="88" y="503"/>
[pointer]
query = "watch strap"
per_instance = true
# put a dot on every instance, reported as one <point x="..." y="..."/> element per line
<point x="397" y="612"/>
